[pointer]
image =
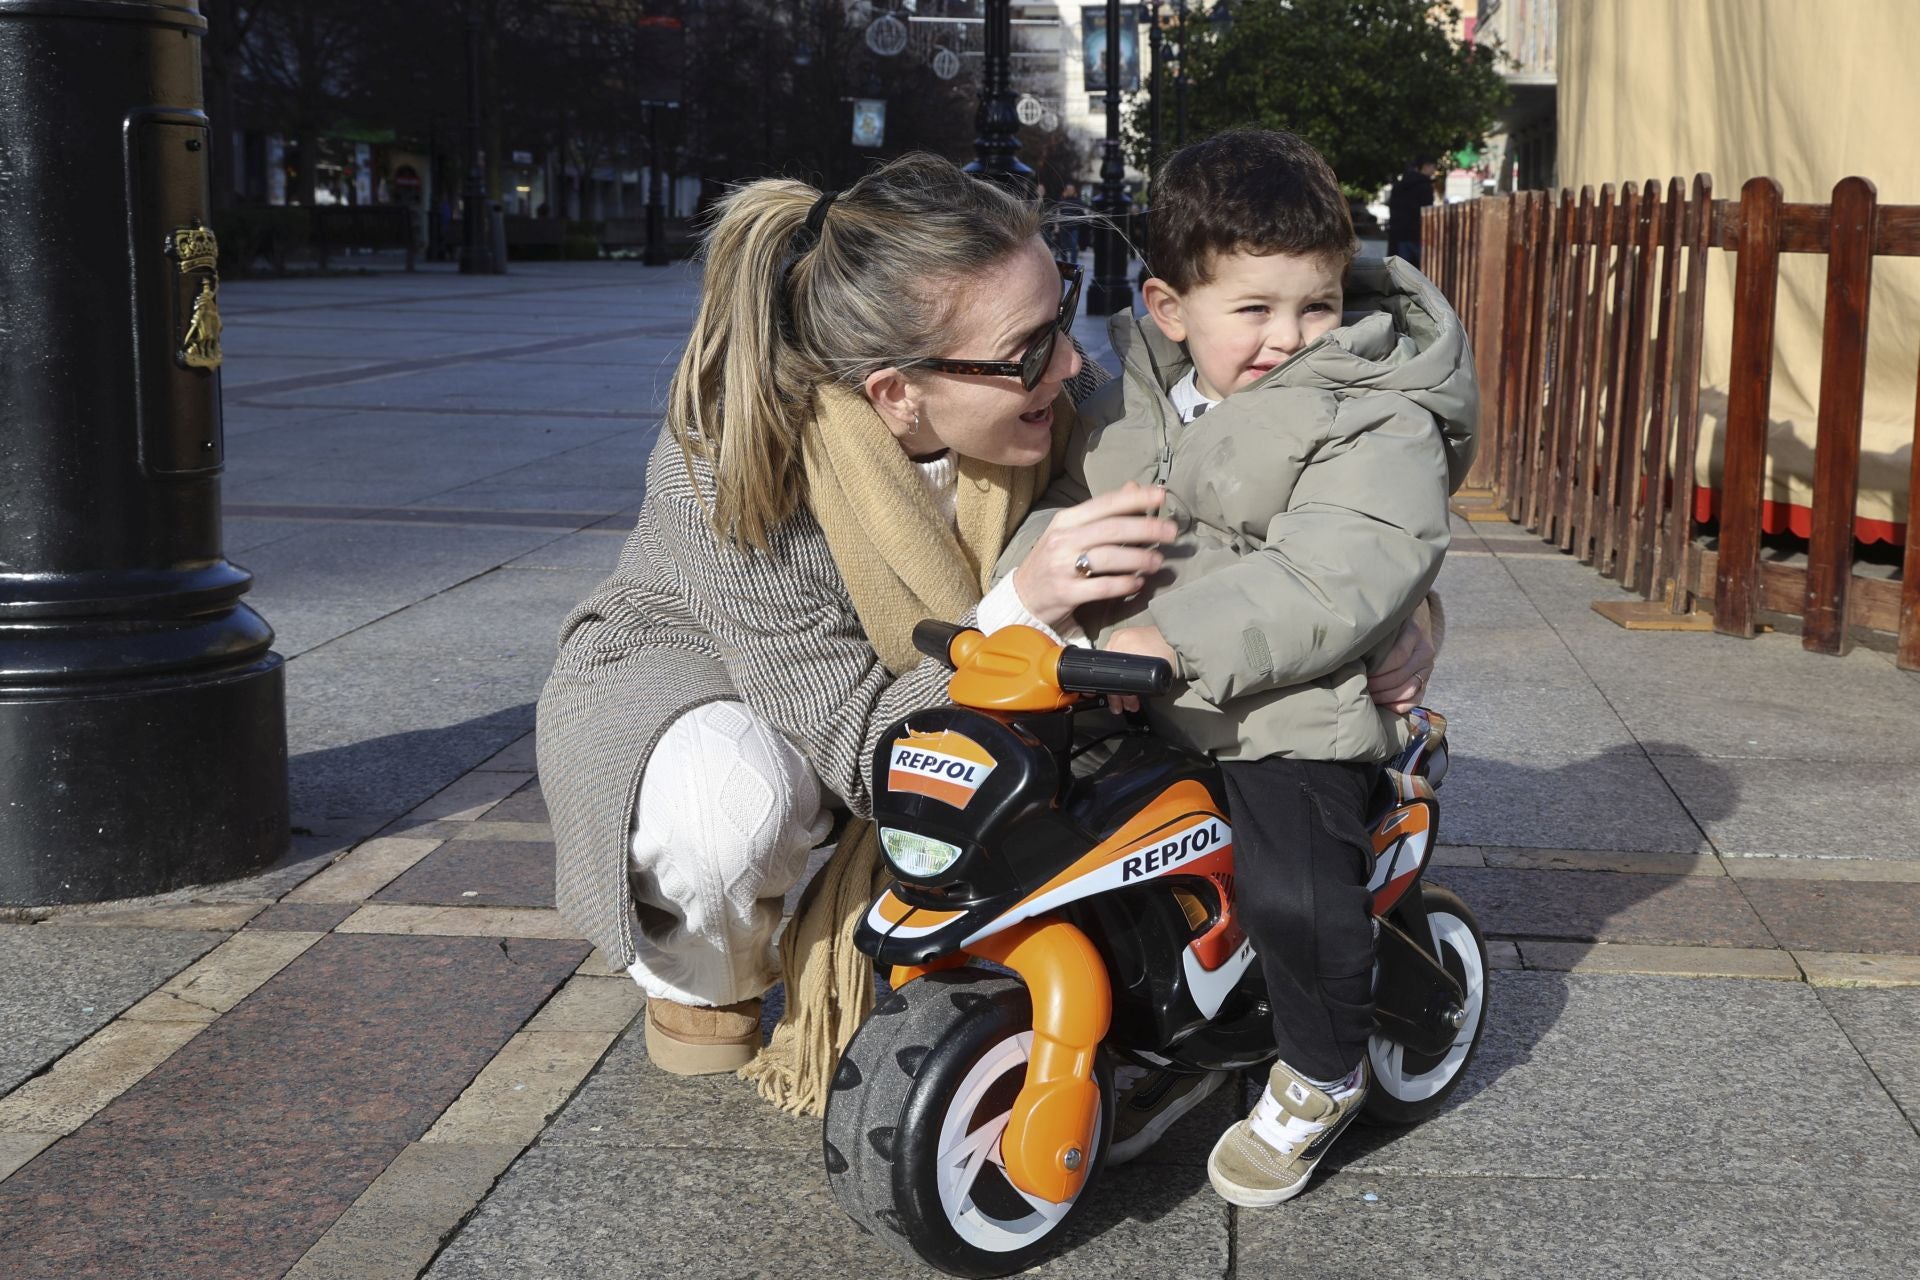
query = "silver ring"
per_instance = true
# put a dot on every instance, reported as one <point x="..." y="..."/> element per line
<point x="1082" y="565"/>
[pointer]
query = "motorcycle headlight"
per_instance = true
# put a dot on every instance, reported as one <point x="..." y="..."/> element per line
<point x="916" y="855"/>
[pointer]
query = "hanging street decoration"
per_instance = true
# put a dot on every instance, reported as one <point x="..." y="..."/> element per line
<point x="1028" y="110"/>
<point x="946" y="63"/>
<point x="886" y="35"/>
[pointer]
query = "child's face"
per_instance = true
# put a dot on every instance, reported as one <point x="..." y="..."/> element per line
<point x="1255" y="313"/>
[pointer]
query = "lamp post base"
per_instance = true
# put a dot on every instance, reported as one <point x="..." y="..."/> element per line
<point x="127" y="791"/>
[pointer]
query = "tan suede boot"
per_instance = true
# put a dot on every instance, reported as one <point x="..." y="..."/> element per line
<point x="700" y="1040"/>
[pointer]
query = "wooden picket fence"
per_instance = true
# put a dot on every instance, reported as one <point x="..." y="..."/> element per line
<point x="1586" y="316"/>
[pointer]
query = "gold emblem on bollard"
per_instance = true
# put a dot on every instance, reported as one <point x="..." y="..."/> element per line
<point x="196" y="252"/>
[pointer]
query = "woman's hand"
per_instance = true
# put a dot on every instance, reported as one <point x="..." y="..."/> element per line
<point x="1401" y="680"/>
<point x="1116" y="532"/>
<point x="1148" y="642"/>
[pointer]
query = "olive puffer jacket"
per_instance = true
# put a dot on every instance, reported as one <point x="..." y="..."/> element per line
<point x="1312" y="508"/>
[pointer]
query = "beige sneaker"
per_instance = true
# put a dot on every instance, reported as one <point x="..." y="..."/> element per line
<point x="1268" y="1157"/>
<point x="700" y="1040"/>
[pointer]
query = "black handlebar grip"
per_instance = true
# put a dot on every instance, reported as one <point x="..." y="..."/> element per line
<point x="1103" y="671"/>
<point x="935" y="638"/>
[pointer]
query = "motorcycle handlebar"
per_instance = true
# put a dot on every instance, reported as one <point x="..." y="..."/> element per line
<point x="935" y="638"/>
<point x="1077" y="671"/>
<point x="1103" y="671"/>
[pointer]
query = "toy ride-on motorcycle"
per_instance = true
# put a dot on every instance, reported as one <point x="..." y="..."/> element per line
<point x="1060" y="905"/>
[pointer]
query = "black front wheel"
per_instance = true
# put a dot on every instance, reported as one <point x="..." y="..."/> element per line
<point x="1409" y="1086"/>
<point x="912" y="1143"/>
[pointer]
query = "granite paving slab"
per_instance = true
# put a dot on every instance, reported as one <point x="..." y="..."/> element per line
<point x="1604" y="906"/>
<point x="232" y="1156"/>
<point x="396" y="564"/>
<point x="478" y="873"/>
<point x="580" y="1212"/>
<point x="303" y="917"/>
<point x="59" y="986"/>
<point x="98" y="1206"/>
<point x="1839" y="915"/>
<point x="628" y="1102"/>
<point x="1799" y="808"/>
<point x="1509" y="1228"/>
<point x="376" y="736"/>
<point x="522" y="609"/>
<point x="1885" y="1028"/>
<point x="524" y="805"/>
<point x="361" y="1037"/>
<point x="1614" y="801"/>
<point x="240" y="534"/>
<point x="1501" y="707"/>
<point x="618" y="494"/>
<point x="597" y="550"/>
<point x="1720" y="1082"/>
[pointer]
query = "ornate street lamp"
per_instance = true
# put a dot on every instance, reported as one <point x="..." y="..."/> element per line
<point x="476" y="236"/>
<point x="996" y="144"/>
<point x="1180" y="80"/>
<point x="1111" y="292"/>
<point x="143" y="741"/>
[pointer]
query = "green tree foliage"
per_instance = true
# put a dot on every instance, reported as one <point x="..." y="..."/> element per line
<point x="1368" y="82"/>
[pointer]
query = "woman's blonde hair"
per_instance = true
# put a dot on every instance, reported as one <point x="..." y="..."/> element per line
<point x="783" y="313"/>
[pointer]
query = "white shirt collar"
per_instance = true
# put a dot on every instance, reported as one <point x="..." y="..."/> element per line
<point x="1187" y="400"/>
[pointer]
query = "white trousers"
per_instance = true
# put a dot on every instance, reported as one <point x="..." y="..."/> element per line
<point x="727" y="813"/>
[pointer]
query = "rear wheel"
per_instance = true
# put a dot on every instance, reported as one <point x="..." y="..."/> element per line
<point x="1409" y="1086"/>
<point x="912" y="1142"/>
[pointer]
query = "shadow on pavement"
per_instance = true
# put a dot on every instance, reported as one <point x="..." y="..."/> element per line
<point x="1577" y="908"/>
<point x="381" y="779"/>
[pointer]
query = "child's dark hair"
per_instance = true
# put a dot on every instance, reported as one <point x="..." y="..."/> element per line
<point x="1256" y="191"/>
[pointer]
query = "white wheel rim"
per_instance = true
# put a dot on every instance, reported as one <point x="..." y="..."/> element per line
<point x="965" y="1154"/>
<point x="1389" y="1057"/>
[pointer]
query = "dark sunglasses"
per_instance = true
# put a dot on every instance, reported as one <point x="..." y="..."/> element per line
<point x="1033" y="362"/>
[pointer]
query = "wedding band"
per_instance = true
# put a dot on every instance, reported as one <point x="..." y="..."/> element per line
<point x="1082" y="565"/>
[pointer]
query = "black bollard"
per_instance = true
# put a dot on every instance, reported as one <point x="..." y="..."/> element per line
<point x="142" y="717"/>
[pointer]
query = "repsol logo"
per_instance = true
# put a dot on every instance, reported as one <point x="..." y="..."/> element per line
<point x="931" y="764"/>
<point x="1201" y="838"/>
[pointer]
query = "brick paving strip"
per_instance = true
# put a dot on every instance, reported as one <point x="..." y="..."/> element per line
<point x="337" y="1085"/>
<point x="324" y="1090"/>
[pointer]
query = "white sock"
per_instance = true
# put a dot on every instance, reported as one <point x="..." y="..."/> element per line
<point x="1346" y="1084"/>
<point x="1284" y="1131"/>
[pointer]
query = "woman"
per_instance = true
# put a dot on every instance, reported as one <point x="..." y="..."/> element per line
<point x="867" y="405"/>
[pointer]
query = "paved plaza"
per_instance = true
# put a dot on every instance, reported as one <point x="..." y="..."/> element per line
<point x="387" y="1057"/>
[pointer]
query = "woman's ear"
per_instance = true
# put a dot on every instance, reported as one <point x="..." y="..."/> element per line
<point x="894" y="399"/>
<point x="1163" y="304"/>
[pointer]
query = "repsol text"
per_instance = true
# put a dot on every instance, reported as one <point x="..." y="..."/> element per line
<point x="933" y="764"/>
<point x="1202" y="837"/>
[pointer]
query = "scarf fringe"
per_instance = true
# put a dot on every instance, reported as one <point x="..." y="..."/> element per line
<point x="829" y="982"/>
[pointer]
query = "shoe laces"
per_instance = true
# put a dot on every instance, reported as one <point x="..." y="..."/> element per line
<point x="1279" y="1128"/>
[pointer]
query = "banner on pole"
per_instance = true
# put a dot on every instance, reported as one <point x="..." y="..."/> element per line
<point x="869" y="122"/>
<point x="1093" y="46"/>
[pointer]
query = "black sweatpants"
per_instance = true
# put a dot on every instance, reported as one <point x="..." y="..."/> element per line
<point x="1301" y="858"/>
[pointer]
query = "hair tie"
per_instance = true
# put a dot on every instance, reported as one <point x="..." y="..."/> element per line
<point x="803" y="239"/>
<point x="809" y="234"/>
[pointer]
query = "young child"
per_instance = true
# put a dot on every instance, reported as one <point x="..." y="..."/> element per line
<point x="1311" y="500"/>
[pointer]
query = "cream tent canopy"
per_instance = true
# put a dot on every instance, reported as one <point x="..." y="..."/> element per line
<point x="1803" y="91"/>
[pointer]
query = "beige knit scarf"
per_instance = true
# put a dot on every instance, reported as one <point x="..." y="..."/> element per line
<point x="902" y="562"/>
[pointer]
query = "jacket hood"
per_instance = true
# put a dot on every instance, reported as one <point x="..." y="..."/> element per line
<point x="1397" y="334"/>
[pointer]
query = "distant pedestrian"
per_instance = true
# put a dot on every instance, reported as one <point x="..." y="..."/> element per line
<point x="1070" y="222"/>
<point x="1412" y="192"/>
